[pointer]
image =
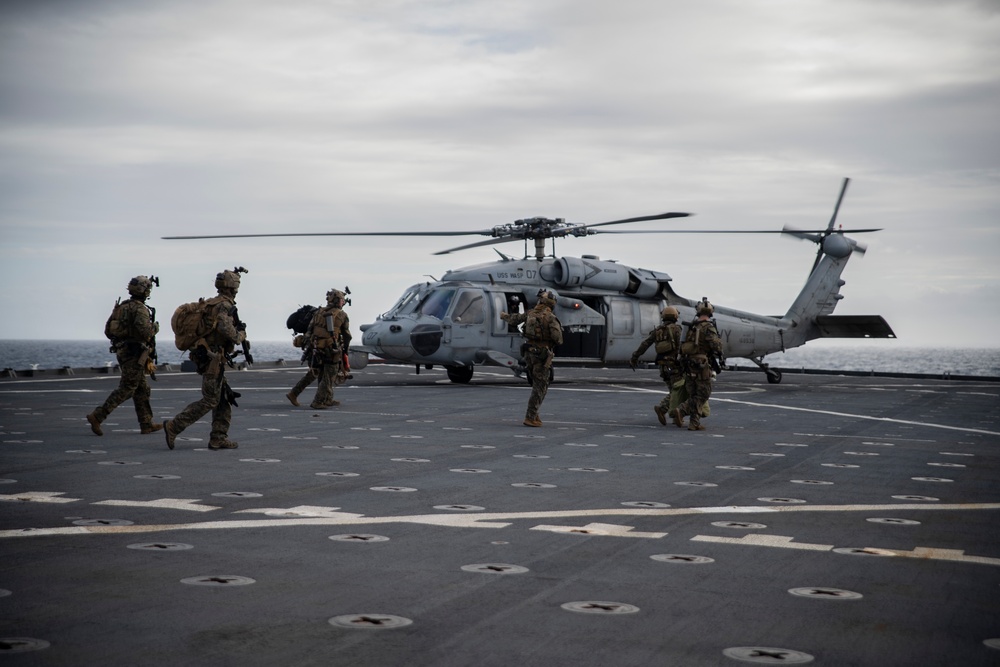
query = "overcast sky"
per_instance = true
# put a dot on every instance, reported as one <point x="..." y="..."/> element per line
<point x="124" y="121"/>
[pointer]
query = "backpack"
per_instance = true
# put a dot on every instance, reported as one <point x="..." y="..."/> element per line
<point x="118" y="324"/>
<point x="299" y="321"/>
<point x="191" y="322"/>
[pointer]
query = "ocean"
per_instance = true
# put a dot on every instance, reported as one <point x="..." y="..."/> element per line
<point x="882" y="357"/>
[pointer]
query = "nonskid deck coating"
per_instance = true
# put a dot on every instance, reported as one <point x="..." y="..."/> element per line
<point x="883" y="488"/>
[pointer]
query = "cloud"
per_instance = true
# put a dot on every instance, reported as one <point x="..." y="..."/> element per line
<point x="122" y="122"/>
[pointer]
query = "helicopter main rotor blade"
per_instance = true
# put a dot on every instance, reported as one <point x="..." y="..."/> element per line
<point x="485" y="232"/>
<point x="478" y="244"/>
<point x="733" y="231"/>
<point x="641" y="218"/>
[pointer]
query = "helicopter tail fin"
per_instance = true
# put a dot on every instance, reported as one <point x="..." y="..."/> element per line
<point x="811" y="315"/>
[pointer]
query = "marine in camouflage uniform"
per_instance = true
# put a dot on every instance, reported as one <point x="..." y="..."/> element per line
<point x="701" y="343"/>
<point x="211" y="354"/>
<point x="132" y="330"/>
<point x="542" y="333"/>
<point x="328" y="339"/>
<point x="667" y="340"/>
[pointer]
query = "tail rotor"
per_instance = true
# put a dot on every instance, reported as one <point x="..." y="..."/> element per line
<point x="831" y="241"/>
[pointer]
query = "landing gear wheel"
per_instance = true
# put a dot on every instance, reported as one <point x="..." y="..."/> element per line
<point x="773" y="377"/>
<point x="459" y="374"/>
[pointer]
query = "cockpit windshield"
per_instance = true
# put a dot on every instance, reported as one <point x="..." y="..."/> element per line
<point x="405" y="303"/>
<point x="437" y="302"/>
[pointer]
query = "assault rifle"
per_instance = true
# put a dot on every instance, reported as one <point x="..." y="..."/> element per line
<point x="242" y="326"/>
<point x="151" y="357"/>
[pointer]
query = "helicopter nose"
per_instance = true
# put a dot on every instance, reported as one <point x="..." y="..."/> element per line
<point x="403" y="339"/>
<point x="426" y="338"/>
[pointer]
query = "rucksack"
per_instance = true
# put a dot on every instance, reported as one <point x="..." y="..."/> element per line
<point x="191" y="322"/>
<point x="299" y="321"/>
<point x="117" y="327"/>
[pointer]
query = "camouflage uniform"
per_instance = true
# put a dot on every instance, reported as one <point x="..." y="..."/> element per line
<point x="330" y="337"/>
<point x="702" y="341"/>
<point x="542" y="333"/>
<point x="667" y="338"/>
<point x="133" y="350"/>
<point x="210" y="357"/>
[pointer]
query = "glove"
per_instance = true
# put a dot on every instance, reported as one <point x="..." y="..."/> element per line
<point x="633" y="362"/>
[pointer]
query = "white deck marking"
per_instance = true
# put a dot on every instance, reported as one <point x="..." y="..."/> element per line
<point x="38" y="497"/>
<point x="600" y="529"/>
<point x="945" y="554"/>
<point x="165" y="503"/>
<point x="758" y="540"/>
<point x="856" y="416"/>
<point x="330" y="516"/>
<point x="831" y="413"/>
<point x="785" y="542"/>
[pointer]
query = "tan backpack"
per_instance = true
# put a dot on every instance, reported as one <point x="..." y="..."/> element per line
<point x="191" y="322"/>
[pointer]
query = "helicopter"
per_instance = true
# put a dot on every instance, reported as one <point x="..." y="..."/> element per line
<point x="606" y="308"/>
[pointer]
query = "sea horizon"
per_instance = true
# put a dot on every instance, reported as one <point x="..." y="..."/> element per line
<point x="864" y="356"/>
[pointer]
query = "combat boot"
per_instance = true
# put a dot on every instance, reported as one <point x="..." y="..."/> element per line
<point x="695" y="427"/>
<point x="168" y="431"/>
<point x="146" y="429"/>
<point x="95" y="424"/>
<point x="224" y="443"/>
<point x="678" y="416"/>
<point x="661" y="414"/>
<point x="293" y="399"/>
<point x="532" y="421"/>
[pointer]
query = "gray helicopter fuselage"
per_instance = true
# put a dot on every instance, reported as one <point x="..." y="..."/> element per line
<point x="606" y="309"/>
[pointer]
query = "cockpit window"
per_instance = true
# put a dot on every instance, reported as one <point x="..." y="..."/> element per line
<point x="469" y="308"/>
<point x="405" y="303"/>
<point x="437" y="302"/>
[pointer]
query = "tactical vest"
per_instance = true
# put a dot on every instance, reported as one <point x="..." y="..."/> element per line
<point x="694" y="343"/>
<point x="536" y="327"/>
<point x="324" y="332"/>
<point x="122" y="324"/>
<point x="668" y="339"/>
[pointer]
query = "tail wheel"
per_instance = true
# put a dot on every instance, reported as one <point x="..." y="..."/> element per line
<point x="460" y="374"/>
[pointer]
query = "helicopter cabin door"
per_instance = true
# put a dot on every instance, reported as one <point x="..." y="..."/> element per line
<point x="504" y="337"/>
<point x="467" y="320"/>
<point x="583" y="330"/>
<point x="629" y="322"/>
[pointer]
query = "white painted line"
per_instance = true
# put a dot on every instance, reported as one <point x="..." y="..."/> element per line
<point x="757" y="540"/>
<point x="38" y="497"/>
<point x="957" y="555"/>
<point x="329" y="517"/>
<point x="187" y="504"/>
<point x="856" y="416"/>
<point x="600" y="529"/>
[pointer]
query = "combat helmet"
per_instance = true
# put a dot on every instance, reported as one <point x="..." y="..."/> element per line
<point x="140" y="286"/>
<point x="703" y="307"/>
<point x="333" y="295"/>
<point x="547" y="297"/>
<point x="669" y="314"/>
<point x="228" y="280"/>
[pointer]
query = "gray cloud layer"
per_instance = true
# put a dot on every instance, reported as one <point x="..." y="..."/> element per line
<point x="121" y="122"/>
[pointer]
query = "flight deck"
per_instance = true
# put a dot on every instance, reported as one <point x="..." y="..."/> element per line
<point x="829" y="519"/>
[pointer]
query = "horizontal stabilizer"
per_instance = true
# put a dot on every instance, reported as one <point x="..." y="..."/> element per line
<point x="854" y="326"/>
